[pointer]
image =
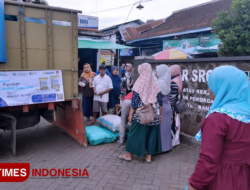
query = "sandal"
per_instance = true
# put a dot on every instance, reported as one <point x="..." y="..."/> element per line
<point x="123" y="158"/>
<point x="121" y="144"/>
<point x="148" y="161"/>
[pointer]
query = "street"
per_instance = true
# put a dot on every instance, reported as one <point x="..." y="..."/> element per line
<point x="45" y="146"/>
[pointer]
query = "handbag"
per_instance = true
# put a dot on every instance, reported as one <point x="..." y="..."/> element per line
<point x="146" y="114"/>
<point x="180" y="105"/>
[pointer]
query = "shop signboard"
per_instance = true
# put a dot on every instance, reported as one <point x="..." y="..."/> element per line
<point x="204" y="44"/>
<point x="30" y="87"/>
<point x="87" y="22"/>
<point x="208" y="43"/>
<point x="107" y="57"/>
<point x="185" y="45"/>
<point x="126" y="52"/>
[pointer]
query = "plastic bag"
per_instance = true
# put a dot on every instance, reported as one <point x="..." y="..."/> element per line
<point x="82" y="84"/>
<point x="97" y="135"/>
<point x="110" y="122"/>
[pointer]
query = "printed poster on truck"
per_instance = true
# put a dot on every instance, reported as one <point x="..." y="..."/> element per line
<point x="30" y="87"/>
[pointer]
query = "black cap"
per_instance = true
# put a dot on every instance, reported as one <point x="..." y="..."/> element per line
<point x="102" y="67"/>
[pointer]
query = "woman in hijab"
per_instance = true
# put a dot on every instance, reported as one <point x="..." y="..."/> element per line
<point x="163" y="74"/>
<point x="115" y="93"/>
<point x="176" y="89"/>
<point x="129" y="77"/>
<point x="224" y="161"/>
<point x="144" y="137"/>
<point x="85" y="87"/>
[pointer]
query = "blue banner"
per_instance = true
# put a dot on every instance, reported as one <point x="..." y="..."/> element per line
<point x="3" y="58"/>
<point x="126" y="52"/>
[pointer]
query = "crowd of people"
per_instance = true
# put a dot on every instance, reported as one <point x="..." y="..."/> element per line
<point x="103" y="89"/>
<point x="224" y="161"/>
<point x="103" y="92"/>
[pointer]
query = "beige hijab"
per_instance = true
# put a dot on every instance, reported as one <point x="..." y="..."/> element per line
<point x="146" y="85"/>
<point x="131" y="70"/>
<point x="176" y="76"/>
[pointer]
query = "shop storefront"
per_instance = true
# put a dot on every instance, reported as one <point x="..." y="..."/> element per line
<point x="96" y="52"/>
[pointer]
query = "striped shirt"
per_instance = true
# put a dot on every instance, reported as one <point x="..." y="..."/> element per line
<point x="173" y="94"/>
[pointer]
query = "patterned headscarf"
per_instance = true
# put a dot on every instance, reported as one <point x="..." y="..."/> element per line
<point x="146" y="85"/>
<point x="176" y="76"/>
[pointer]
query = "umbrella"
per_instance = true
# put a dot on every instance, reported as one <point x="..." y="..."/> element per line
<point x="171" y="54"/>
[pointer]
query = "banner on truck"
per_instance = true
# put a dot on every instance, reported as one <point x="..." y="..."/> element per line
<point x="30" y="87"/>
<point x="87" y="22"/>
<point x="3" y="58"/>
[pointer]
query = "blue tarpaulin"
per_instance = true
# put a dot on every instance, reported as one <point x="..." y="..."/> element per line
<point x="3" y="58"/>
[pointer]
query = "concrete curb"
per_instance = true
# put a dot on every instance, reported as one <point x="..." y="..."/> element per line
<point x="190" y="141"/>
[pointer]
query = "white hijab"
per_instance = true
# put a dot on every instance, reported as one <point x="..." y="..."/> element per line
<point x="164" y="79"/>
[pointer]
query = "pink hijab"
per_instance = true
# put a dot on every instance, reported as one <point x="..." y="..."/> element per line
<point x="146" y="85"/>
<point x="175" y="71"/>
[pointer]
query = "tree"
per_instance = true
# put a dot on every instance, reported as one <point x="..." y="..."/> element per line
<point x="233" y="28"/>
<point x="42" y="2"/>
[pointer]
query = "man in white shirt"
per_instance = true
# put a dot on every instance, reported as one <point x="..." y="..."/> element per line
<point x="102" y="85"/>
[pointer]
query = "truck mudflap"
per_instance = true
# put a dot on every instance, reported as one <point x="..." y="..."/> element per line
<point x="69" y="118"/>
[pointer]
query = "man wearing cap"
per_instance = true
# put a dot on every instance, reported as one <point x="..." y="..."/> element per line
<point x="102" y="85"/>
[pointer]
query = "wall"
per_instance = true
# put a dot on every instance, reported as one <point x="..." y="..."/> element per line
<point x="195" y="89"/>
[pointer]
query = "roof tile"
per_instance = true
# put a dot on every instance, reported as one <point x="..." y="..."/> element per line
<point x="188" y="19"/>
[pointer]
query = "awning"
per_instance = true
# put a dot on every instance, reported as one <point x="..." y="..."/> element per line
<point x="99" y="44"/>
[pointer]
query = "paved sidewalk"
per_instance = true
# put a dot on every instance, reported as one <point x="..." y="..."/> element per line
<point x="46" y="146"/>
